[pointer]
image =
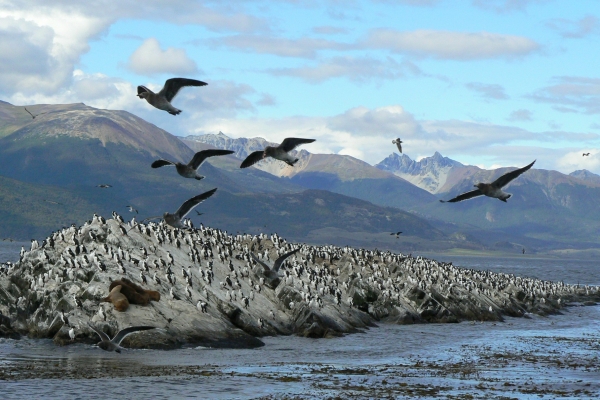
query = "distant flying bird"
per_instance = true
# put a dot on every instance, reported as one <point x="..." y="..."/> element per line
<point x="493" y="189"/>
<point x="113" y="344"/>
<point x="396" y="233"/>
<point x="104" y="186"/>
<point x="131" y="209"/>
<point x="279" y="153"/>
<point x="33" y="116"/>
<point x="586" y="154"/>
<point x="174" y="219"/>
<point x="398" y="143"/>
<point x="162" y="100"/>
<point x="198" y="212"/>
<point x="189" y="170"/>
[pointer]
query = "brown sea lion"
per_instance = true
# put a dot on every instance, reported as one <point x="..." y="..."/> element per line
<point x="134" y="293"/>
<point x="117" y="298"/>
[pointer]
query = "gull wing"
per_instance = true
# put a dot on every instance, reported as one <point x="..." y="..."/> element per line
<point x="265" y="266"/>
<point x="200" y="156"/>
<point x="103" y="336"/>
<point x="124" y="332"/>
<point x="172" y="86"/>
<point x="464" y="196"/>
<point x="506" y="178"/>
<point x="142" y="89"/>
<point x="161" y="163"/>
<point x="281" y="259"/>
<point x="193" y="202"/>
<point x="398" y="143"/>
<point x="291" y="143"/>
<point x="252" y="159"/>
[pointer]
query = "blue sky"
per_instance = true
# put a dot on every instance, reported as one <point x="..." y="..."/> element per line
<point x="485" y="82"/>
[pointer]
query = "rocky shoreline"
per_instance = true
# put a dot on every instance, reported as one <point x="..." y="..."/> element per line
<point x="214" y="294"/>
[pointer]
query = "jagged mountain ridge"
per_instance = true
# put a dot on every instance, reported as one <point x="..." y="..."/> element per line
<point x="430" y="173"/>
<point x="333" y="172"/>
<point x="63" y="154"/>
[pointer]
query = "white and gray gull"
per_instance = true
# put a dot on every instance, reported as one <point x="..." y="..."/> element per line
<point x="493" y="189"/>
<point x="274" y="271"/>
<point x="174" y="219"/>
<point x="113" y="344"/>
<point x="162" y="100"/>
<point x="279" y="153"/>
<point x="189" y="170"/>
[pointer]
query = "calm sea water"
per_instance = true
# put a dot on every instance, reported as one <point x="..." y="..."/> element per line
<point x="535" y="357"/>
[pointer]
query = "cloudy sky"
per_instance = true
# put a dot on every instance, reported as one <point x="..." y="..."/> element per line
<point x="485" y="82"/>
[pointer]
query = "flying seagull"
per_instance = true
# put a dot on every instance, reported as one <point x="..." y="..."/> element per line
<point x="586" y="154"/>
<point x="398" y="143"/>
<point x="396" y="233"/>
<point x="493" y="189"/>
<point x="113" y="344"/>
<point x="131" y="209"/>
<point x="104" y="186"/>
<point x="279" y="153"/>
<point x="162" y="99"/>
<point x="189" y="170"/>
<point x="272" y="272"/>
<point x="174" y="219"/>
<point x="33" y="116"/>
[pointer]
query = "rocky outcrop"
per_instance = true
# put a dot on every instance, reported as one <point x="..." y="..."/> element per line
<point x="212" y="293"/>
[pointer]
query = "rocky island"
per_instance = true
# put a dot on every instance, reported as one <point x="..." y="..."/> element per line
<point x="212" y="291"/>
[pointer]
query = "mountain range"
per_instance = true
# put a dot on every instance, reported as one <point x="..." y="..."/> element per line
<point x="53" y="163"/>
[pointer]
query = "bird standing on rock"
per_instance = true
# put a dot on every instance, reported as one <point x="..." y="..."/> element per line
<point x="162" y="100"/>
<point x="279" y="153"/>
<point x="493" y="189"/>
<point x="189" y="170"/>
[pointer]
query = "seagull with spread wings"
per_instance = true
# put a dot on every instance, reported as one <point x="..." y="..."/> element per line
<point x="174" y="219"/>
<point x="493" y="189"/>
<point x="162" y="100"/>
<point x="113" y="344"/>
<point x="273" y="273"/>
<point x="279" y="152"/>
<point x="189" y="170"/>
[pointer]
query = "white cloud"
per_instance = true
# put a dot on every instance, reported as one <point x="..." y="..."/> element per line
<point x="574" y="160"/>
<point x="149" y="59"/>
<point x="575" y="29"/>
<point x="506" y="6"/>
<point x="571" y="94"/>
<point x="357" y="69"/>
<point x="38" y="50"/>
<point x="283" y="47"/>
<point x="451" y="45"/>
<point x="488" y="91"/>
<point x="520" y="115"/>
<point x="367" y="134"/>
<point x="418" y="3"/>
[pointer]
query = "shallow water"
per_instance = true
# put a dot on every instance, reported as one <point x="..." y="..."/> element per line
<point x="535" y="357"/>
